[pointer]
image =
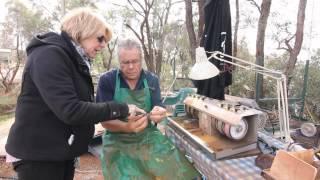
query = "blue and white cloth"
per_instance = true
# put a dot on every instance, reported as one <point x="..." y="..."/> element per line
<point x="232" y="169"/>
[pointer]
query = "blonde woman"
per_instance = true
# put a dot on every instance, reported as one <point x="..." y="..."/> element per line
<point x="55" y="112"/>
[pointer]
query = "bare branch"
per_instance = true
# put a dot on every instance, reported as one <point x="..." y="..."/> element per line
<point x="135" y="33"/>
<point x="291" y="37"/>
<point x="255" y="4"/>
<point x="177" y="2"/>
<point x="287" y="43"/>
<point x="136" y="10"/>
<point x="2" y="72"/>
<point x="280" y="42"/>
<point x="122" y="6"/>
<point x="149" y="4"/>
<point x="41" y="5"/>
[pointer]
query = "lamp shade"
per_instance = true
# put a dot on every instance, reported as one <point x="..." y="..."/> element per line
<point x="202" y="69"/>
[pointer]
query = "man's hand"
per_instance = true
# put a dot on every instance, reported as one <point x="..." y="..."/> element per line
<point x="137" y="123"/>
<point x="157" y="114"/>
<point x="133" y="109"/>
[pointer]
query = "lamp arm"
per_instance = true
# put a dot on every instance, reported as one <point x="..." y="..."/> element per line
<point x="282" y="96"/>
<point x="167" y="91"/>
<point x="247" y="65"/>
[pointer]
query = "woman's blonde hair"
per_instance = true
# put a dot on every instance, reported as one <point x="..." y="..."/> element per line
<point x="82" y="23"/>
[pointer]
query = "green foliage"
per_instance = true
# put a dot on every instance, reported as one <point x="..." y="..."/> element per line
<point x="5" y="117"/>
<point x="26" y="22"/>
<point x="166" y="77"/>
<point x="7" y="104"/>
<point x="276" y="63"/>
<point x="97" y="64"/>
<point x="313" y="81"/>
<point x="296" y="84"/>
<point x="243" y="82"/>
<point x="70" y="4"/>
<point x="313" y="90"/>
<point x="176" y="52"/>
<point x="312" y="99"/>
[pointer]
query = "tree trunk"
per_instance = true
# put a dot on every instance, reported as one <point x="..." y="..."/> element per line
<point x="111" y="48"/>
<point x="8" y="73"/>
<point x="63" y="7"/>
<point x="159" y="56"/>
<point x="17" y="66"/>
<point x="149" y="58"/>
<point x="263" y="19"/>
<point x="152" y="42"/>
<point x="163" y="22"/>
<point x="190" y="30"/>
<point x="294" y="52"/>
<point x="107" y="63"/>
<point x="236" y="28"/>
<point x="201" y="20"/>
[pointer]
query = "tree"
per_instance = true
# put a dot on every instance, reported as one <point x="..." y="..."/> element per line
<point x="177" y="60"/>
<point x="295" y="50"/>
<point x="194" y="40"/>
<point x="152" y="16"/>
<point x="110" y="47"/>
<point x="20" y="25"/>
<point x="201" y="20"/>
<point x="103" y="61"/>
<point x="243" y="81"/>
<point x="190" y="30"/>
<point x="290" y="41"/>
<point x="264" y="10"/>
<point x="6" y="35"/>
<point x="9" y="71"/>
<point x="236" y="28"/>
<point x="61" y="7"/>
<point x="26" y="22"/>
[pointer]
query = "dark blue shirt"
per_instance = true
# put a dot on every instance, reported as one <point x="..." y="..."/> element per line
<point x="107" y="86"/>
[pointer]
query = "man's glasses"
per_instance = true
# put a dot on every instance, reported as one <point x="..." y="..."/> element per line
<point x="101" y="39"/>
<point x="133" y="62"/>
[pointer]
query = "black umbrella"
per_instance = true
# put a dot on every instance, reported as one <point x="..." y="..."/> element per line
<point x="216" y="37"/>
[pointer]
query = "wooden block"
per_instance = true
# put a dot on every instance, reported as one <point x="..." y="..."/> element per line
<point x="305" y="155"/>
<point x="287" y="167"/>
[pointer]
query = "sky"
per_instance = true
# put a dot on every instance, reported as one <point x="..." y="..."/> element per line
<point x="3" y="11"/>
<point x="287" y="10"/>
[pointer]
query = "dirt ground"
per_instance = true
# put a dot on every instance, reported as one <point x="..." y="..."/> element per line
<point x="4" y="130"/>
<point x="89" y="169"/>
<point x="6" y="170"/>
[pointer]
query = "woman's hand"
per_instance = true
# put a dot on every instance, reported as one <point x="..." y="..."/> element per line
<point x="157" y="114"/>
<point x="133" y="110"/>
<point x="137" y="123"/>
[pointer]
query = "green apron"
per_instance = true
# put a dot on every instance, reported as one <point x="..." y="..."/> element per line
<point x="145" y="155"/>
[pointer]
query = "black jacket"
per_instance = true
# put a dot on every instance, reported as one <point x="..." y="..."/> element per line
<point x="56" y="103"/>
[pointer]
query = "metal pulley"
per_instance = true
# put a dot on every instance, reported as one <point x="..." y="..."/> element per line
<point x="235" y="132"/>
<point x="308" y="129"/>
